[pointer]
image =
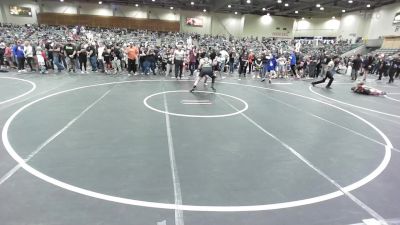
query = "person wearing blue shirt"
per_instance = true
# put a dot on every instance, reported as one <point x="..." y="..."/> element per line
<point x="269" y="64"/>
<point x="293" y="62"/>
<point x="19" y="54"/>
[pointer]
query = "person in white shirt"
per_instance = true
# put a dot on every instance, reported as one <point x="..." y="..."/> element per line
<point x="28" y="52"/>
<point x="100" y="51"/>
<point x="331" y="70"/>
<point x="41" y="61"/>
<point x="179" y="56"/>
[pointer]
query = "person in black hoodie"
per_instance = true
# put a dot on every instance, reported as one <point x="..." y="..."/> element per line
<point x="356" y="67"/>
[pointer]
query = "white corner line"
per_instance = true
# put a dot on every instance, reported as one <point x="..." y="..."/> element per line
<point x="203" y="208"/>
<point x="22" y="95"/>
<point x="10" y="173"/>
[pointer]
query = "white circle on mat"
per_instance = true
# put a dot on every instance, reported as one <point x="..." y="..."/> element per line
<point x="281" y="205"/>
<point x="21" y="95"/>
<point x="145" y="102"/>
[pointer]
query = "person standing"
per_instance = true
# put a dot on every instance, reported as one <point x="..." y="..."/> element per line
<point x="83" y="59"/>
<point x="356" y="67"/>
<point x="179" y="56"/>
<point x="19" y="54"/>
<point x="192" y="60"/>
<point x="293" y="62"/>
<point x="331" y="68"/>
<point x="93" y="56"/>
<point x="251" y="59"/>
<point x="394" y="65"/>
<point x="56" y="56"/>
<point x="133" y="53"/>
<point x="70" y="51"/>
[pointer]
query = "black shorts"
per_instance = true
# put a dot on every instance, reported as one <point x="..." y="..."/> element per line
<point x="208" y="71"/>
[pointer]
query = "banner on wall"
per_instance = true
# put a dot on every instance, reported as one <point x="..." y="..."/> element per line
<point x="194" y="22"/>
<point x="20" y="11"/>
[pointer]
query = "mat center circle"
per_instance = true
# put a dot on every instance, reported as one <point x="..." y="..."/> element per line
<point x="201" y="104"/>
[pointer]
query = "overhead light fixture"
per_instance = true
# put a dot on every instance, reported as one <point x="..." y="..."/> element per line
<point x="322" y="8"/>
<point x="248" y="1"/>
<point x="268" y="14"/>
<point x="171" y="7"/>
<point x="229" y="6"/>
<point x="350" y="1"/>
<point x="153" y="0"/>
<point x="343" y="10"/>
<point x="263" y="9"/>
<point x="192" y="3"/>
<point x="61" y="0"/>
<point x="297" y="12"/>
<point x="100" y="2"/>
<point x="333" y="17"/>
<point x="368" y="6"/>
<point x="286" y="4"/>
<point x="279" y="1"/>
<point x="204" y="10"/>
<point x="235" y="13"/>
<point x="303" y="18"/>
<point x="318" y="5"/>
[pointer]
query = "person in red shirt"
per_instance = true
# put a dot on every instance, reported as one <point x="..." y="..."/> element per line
<point x="250" y="61"/>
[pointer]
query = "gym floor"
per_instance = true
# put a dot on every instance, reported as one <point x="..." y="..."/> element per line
<point x="118" y="150"/>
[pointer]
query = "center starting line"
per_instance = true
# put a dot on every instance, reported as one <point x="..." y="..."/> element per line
<point x="196" y="102"/>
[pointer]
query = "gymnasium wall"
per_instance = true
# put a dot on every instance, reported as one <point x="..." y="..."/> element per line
<point x="382" y="22"/>
<point x="316" y="27"/>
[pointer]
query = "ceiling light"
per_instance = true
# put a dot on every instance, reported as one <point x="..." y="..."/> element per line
<point x="263" y="9"/>
<point x="171" y="7"/>
<point x="204" y="10"/>
<point x="235" y="13"/>
<point x="322" y="8"/>
<point x="248" y="1"/>
<point x="286" y="4"/>
<point x="350" y="1"/>
<point x="100" y="2"/>
<point x="302" y="18"/>
<point x="268" y="14"/>
<point x="368" y="6"/>
<point x="297" y="12"/>
<point x="343" y="10"/>
<point x="61" y="0"/>
<point x="192" y="3"/>
<point x="318" y="5"/>
<point x="279" y="1"/>
<point x="153" y="0"/>
<point x="333" y="17"/>
<point x="229" y="6"/>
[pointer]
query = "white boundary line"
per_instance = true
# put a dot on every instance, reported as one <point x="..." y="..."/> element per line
<point x="127" y="201"/>
<point x="330" y="122"/>
<point x="393" y="99"/>
<point x="22" y="95"/>
<point x="145" y="102"/>
<point x="49" y="140"/>
<point x="174" y="170"/>
<point x="354" y="106"/>
<point x="370" y="211"/>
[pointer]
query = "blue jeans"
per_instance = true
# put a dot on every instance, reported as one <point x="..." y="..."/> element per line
<point x="93" y="63"/>
<point x="57" y="62"/>
<point x="146" y="67"/>
<point x="231" y="67"/>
